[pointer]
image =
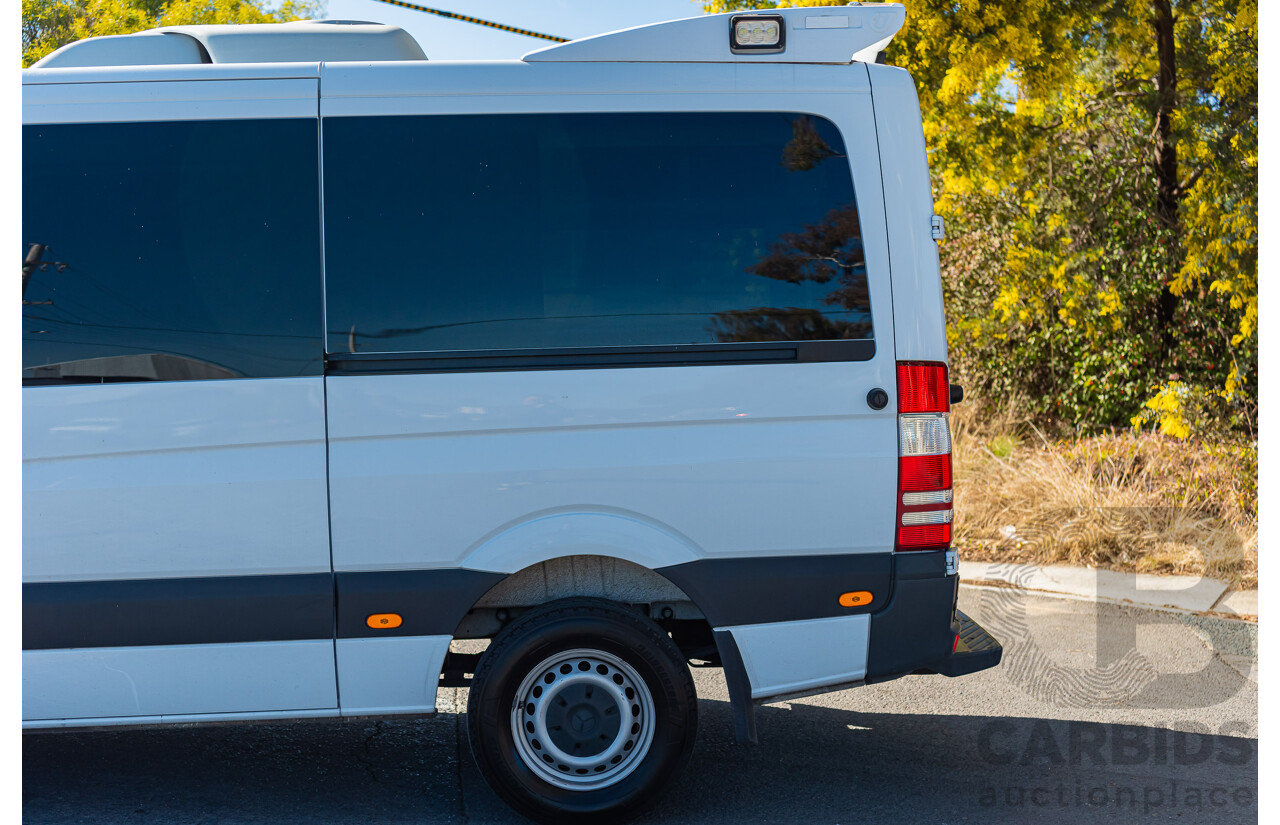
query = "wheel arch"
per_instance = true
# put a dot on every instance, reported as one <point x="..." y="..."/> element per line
<point x="611" y="554"/>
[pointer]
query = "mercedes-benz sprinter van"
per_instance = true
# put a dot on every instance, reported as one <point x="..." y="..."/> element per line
<point x="626" y="355"/>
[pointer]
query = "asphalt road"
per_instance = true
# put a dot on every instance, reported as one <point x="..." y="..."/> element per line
<point x="1098" y="714"/>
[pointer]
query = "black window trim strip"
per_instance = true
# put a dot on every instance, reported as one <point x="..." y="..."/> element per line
<point x="670" y="355"/>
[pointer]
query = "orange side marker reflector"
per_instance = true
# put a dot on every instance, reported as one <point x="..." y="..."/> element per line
<point x="855" y="599"/>
<point x="384" y="621"/>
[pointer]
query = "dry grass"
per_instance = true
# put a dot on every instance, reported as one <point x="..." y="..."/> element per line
<point x="1145" y="503"/>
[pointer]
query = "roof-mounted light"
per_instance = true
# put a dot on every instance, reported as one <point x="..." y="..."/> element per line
<point x="757" y="34"/>
<point x="845" y="34"/>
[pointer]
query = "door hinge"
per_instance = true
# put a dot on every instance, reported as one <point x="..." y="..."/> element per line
<point x="936" y="228"/>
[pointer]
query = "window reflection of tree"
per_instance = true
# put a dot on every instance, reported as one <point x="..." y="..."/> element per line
<point x="827" y="252"/>
<point x="806" y="149"/>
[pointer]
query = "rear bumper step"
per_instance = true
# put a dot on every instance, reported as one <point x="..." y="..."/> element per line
<point x="976" y="649"/>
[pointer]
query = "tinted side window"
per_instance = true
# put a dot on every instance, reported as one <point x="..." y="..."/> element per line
<point x="169" y="251"/>
<point x="477" y="232"/>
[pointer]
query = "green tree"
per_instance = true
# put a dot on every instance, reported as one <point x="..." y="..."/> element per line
<point x="49" y="24"/>
<point x="1097" y="163"/>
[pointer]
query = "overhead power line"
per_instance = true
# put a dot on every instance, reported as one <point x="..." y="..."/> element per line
<point x="465" y="19"/>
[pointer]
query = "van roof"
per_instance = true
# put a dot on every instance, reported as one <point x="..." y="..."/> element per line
<point x="827" y="34"/>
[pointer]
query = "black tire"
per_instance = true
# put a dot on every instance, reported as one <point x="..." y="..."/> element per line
<point x="590" y="636"/>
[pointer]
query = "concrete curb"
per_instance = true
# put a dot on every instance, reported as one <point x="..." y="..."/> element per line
<point x="1189" y="593"/>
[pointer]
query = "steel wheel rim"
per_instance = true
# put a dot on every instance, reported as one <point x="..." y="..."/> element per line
<point x="582" y="720"/>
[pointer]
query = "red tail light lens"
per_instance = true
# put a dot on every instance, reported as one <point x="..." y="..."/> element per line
<point x="924" y="536"/>
<point x="923" y="388"/>
<point x="918" y="473"/>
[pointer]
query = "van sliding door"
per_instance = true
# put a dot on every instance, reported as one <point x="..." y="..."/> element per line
<point x="175" y="537"/>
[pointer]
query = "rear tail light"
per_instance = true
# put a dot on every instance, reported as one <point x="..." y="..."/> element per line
<point x="924" y="462"/>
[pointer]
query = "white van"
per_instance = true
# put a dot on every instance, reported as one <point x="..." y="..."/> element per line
<point x="626" y="355"/>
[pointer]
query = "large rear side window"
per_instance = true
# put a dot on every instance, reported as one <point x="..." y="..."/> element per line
<point x="551" y="231"/>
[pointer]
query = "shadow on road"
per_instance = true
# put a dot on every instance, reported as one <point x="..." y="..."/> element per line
<point x="819" y="764"/>
<point x="813" y="765"/>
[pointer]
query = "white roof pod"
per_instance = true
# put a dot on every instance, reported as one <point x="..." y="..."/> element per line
<point x="827" y="34"/>
<point x="302" y="41"/>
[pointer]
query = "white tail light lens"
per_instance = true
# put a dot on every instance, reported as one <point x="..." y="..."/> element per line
<point x="927" y="517"/>
<point x="931" y="497"/>
<point x="924" y="434"/>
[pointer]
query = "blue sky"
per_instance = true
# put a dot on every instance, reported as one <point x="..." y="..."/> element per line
<point x="444" y="39"/>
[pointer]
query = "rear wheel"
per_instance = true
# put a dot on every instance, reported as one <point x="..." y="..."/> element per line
<point x="581" y="710"/>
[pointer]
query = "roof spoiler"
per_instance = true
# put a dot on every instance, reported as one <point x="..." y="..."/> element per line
<point x="826" y="34"/>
